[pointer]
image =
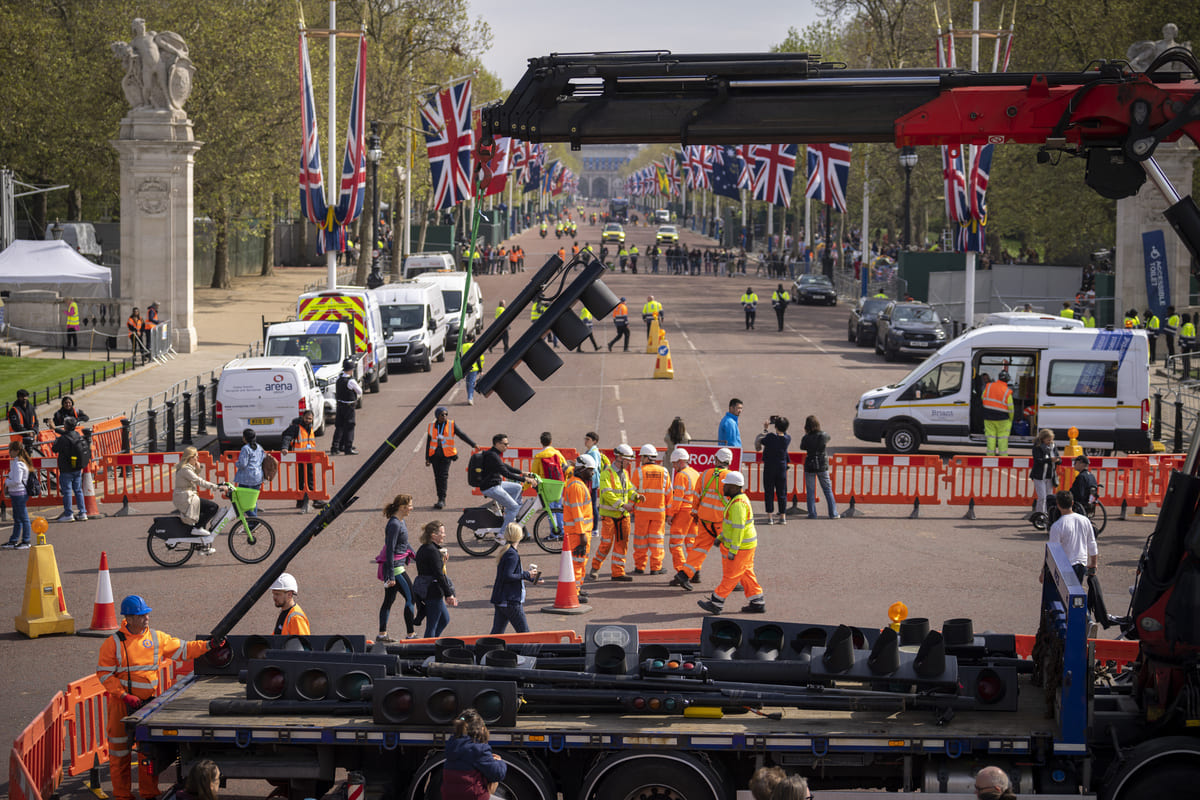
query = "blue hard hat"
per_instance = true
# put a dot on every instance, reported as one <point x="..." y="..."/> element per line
<point x="134" y="605"/>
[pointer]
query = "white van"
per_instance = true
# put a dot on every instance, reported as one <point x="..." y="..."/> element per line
<point x="265" y="393"/>
<point x="414" y="323"/>
<point x="325" y="344"/>
<point x="451" y="286"/>
<point x="1095" y="380"/>
<point x="419" y="263"/>
<point x="358" y="307"/>
<point x="1030" y="319"/>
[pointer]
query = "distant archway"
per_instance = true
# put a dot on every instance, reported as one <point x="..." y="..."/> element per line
<point x="599" y="188"/>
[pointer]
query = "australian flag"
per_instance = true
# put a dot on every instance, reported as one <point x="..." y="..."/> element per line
<point x="726" y="167"/>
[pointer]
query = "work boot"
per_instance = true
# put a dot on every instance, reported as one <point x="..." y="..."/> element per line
<point x="755" y="608"/>
<point x="441" y="503"/>
<point x="639" y="571"/>
<point x="709" y="606"/>
<point x="696" y="577"/>
<point x="583" y="596"/>
<point x="591" y="576"/>
<point x="681" y="580"/>
<point x="658" y="572"/>
<point x="622" y="578"/>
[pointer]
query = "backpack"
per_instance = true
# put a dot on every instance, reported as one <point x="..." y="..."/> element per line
<point x="33" y="485"/>
<point x="553" y="467"/>
<point x="475" y="469"/>
<point x="270" y="467"/>
<point x="77" y="450"/>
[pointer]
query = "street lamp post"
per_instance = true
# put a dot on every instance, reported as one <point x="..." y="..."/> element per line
<point x="908" y="160"/>
<point x="374" y="153"/>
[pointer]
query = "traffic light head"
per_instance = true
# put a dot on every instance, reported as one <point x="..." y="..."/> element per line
<point x="425" y="701"/>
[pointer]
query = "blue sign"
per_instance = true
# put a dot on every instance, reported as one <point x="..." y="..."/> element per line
<point x="1158" y="279"/>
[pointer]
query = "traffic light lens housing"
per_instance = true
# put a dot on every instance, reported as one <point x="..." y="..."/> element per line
<point x="270" y="683"/>
<point x="313" y="684"/>
<point x="443" y="705"/>
<point x="338" y="644"/>
<point x="351" y="685"/>
<point x="490" y="706"/>
<point x="296" y="644"/>
<point x="599" y="299"/>
<point x="255" y="647"/>
<point x="398" y="705"/>
<point x="513" y="390"/>
<point x="989" y="687"/>
<point x="542" y="360"/>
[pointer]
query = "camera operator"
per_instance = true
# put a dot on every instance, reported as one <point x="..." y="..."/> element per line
<point x="774" y="448"/>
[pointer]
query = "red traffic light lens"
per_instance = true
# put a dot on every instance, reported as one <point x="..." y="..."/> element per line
<point x="398" y="705"/>
<point x="989" y="687"/>
<point x="270" y="683"/>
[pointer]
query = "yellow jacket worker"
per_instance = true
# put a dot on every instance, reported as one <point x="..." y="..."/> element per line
<point x="617" y="498"/>
<point x="739" y="543"/>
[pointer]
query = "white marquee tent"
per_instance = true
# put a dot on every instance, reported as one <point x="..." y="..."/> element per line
<point x="52" y="266"/>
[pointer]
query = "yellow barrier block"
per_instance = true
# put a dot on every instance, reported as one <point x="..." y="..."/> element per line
<point x="662" y="365"/>
<point x="652" y="339"/>
<point x="45" y="608"/>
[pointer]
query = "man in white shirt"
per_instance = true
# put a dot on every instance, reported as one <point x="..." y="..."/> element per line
<point x="1073" y="532"/>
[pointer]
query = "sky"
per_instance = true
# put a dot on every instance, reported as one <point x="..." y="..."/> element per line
<point x="530" y="28"/>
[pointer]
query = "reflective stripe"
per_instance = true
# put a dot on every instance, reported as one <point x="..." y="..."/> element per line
<point x="444" y="441"/>
<point x="737" y="530"/>
<point x="118" y="753"/>
<point x="711" y="505"/>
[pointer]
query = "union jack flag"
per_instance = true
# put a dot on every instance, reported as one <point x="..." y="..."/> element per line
<point x="828" y="174"/>
<point x="973" y="225"/>
<point x="672" y="167"/>
<point x="517" y="158"/>
<point x="746" y="176"/>
<point x="774" y="168"/>
<point x="446" y="118"/>
<point x="312" y="180"/>
<point x="352" y="188"/>
<point x="699" y="164"/>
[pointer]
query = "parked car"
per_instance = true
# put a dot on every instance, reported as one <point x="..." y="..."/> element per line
<point x="861" y="327"/>
<point x="814" y="288"/>
<point x="666" y="235"/>
<point x="662" y="215"/>
<point x="613" y="232"/>
<point x="907" y="328"/>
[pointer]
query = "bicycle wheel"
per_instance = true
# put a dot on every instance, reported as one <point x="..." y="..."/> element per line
<point x="544" y="534"/>
<point x="1099" y="517"/>
<point x="167" y="555"/>
<point x="476" y="543"/>
<point x="253" y="545"/>
<point x="1039" y="521"/>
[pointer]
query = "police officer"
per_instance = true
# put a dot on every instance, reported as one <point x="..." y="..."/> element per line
<point x="1152" y="327"/>
<point x="1170" y="331"/>
<point x="633" y="257"/>
<point x="997" y="414"/>
<point x="440" y="450"/>
<point x="1187" y="343"/>
<point x="779" y="301"/>
<point x="621" y="320"/>
<point x="749" y="301"/>
<point x="346" y="393"/>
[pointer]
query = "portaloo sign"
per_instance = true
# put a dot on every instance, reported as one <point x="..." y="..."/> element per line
<point x="1158" y="280"/>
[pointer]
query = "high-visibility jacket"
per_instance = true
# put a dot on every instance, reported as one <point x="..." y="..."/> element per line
<point x="294" y="624"/>
<point x="462" y="350"/>
<point x="621" y="315"/>
<point x="562" y="254"/>
<point x="652" y="308"/>
<point x="73" y="315"/>
<point x="652" y="484"/>
<point x="615" y="491"/>
<point x="880" y="295"/>
<point x="1131" y="321"/>
<point x="549" y="453"/>
<point x="304" y="439"/>
<point x="710" y="500"/>
<point x="512" y="256"/>
<point x="587" y="317"/>
<point x="998" y="397"/>
<point x="134" y="324"/>
<point x="128" y="664"/>
<point x="1153" y="324"/>
<point x="623" y="253"/>
<point x="443" y="440"/>
<point x="151" y="318"/>
<point x="577" y="508"/>
<point x="749" y="300"/>
<point x="683" y="490"/>
<point x="1068" y="312"/>
<point x="737" y="526"/>
<point x="500" y="309"/>
<point x="535" y="312"/>
<point x="1173" y="323"/>
<point x="575" y="249"/>
<point x="1187" y="334"/>
<point x="780" y="297"/>
<point x="633" y="251"/>
<point x="1088" y="320"/>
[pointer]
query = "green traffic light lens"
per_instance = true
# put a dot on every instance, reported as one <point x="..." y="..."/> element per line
<point x="351" y="685"/>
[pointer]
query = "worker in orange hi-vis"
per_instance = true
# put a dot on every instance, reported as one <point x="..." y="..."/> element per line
<point x="684" y="495"/>
<point x="653" y="486"/>
<point x="128" y="669"/>
<point x="577" y="517"/>
<point x="709" y="513"/>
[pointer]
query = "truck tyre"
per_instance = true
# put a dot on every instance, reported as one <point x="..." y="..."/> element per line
<point x="902" y="439"/>
<point x="851" y="335"/>
<point x="373" y="383"/>
<point x="889" y="353"/>
<point x="384" y="371"/>
<point x="679" y="776"/>
<point x="525" y="778"/>
<point x="1165" y="769"/>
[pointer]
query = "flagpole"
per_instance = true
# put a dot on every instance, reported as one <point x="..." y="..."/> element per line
<point x="808" y="240"/>
<point x="745" y="233"/>
<point x="335" y="167"/>
<point x="406" y="243"/>
<point x="968" y="160"/>
<point x="864" y="237"/>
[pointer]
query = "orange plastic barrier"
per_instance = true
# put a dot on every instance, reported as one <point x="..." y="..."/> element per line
<point x="533" y="637"/>
<point x="1126" y="478"/>
<point x="35" y="765"/>
<point x="86" y="719"/>
<point x="146" y="477"/>
<point x="896" y="480"/>
<point x="1121" y="651"/>
<point x="286" y="485"/>
<point x="106" y="437"/>
<point x="1160" y="474"/>
<point x="751" y="469"/>
<point x="989" y="481"/>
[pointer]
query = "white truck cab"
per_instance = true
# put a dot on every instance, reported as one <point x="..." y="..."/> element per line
<point x="1095" y="380"/>
<point x="451" y="286"/>
<point x="414" y="323"/>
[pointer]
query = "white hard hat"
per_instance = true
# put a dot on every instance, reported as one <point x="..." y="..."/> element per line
<point x="623" y="450"/>
<point x="586" y="461"/>
<point x="286" y="583"/>
<point x="725" y="455"/>
<point x="679" y="454"/>
<point x="648" y="450"/>
<point x="733" y="478"/>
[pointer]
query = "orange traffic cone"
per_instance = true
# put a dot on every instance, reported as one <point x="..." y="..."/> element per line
<point x="566" y="599"/>
<point x="90" y="506"/>
<point x="104" y="611"/>
<point x="662" y="365"/>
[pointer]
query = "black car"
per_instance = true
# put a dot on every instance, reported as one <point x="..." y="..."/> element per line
<point x="861" y="328"/>
<point x="908" y="329"/>
<point x="814" y="289"/>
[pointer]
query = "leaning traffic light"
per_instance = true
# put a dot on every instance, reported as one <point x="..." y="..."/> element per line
<point x="434" y="701"/>
<point x="674" y="666"/>
<point x="233" y="657"/>
<point x="300" y="679"/>
<point x="531" y="347"/>
<point x="993" y="686"/>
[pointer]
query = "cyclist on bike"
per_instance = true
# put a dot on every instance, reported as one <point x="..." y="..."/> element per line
<point x="502" y="482"/>
<point x="1083" y="490"/>
<point x="194" y="509"/>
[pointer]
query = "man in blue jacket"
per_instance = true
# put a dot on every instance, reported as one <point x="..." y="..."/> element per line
<point x="728" y="434"/>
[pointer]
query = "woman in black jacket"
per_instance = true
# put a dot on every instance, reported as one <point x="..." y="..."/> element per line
<point x="1045" y="465"/>
<point x="508" y="593"/>
<point x="392" y="562"/>
<point x="432" y="584"/>
<point x="816" y="467"/>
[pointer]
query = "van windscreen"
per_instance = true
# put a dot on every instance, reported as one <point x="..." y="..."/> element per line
<point x="403" y="317"/>
<point x="318" y="348"/>
<point x="453" y="300"/>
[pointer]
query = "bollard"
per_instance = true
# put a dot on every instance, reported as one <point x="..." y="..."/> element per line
<point x="212" y="400"/>
<point x="187" y="417"/>
<point x="201" y="423"/>
<point x="125" y="425"/>
<point x="1178" y="426"/>
<point x="1124" y="510"/>
<point x="1158" y="416"/>
<point x="71" y="385"/>
<point x="970" y="510"/>
<point x="152" y="432"/>
<point x="170" y="426"/>
<point x="916" y="512"/>
<point x="852" y="510"/>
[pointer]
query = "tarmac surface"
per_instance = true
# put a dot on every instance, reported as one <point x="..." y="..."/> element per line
<point x="820" y="571"/>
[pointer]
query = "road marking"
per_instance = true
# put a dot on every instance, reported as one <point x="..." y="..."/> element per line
<point x="624" y="437"/>
<point x="689" y="340"/>
<point x="620" y="416"/>
<point x="712" y="397"/>
<point x="810" y="341"/>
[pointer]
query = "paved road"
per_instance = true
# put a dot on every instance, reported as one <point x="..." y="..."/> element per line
<point x="824" y="571"/>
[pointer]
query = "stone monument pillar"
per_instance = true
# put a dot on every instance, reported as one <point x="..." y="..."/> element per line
<point x="157" y="157"/>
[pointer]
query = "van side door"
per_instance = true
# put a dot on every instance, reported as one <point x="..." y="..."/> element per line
<point x="939" y="400"/>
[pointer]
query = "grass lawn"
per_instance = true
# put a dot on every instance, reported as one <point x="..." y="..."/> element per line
<point x="39" y="374"/>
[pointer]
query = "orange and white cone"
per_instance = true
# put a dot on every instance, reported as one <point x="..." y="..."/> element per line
<point x="104" y="611"/>
<point x="566" y="599"/>
<point x="90" y="506"/>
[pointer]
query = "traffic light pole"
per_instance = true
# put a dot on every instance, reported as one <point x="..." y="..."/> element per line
<point x="346" y="496"/>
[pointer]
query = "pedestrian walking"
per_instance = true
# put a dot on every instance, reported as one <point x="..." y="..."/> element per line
<point x="508" y="590"/>
<point x="1073" y="532"/>
<point x="73" y="457"/>
<point x="298" y="437"/>
<point x="709" y="513"/>
<point x="749" y="303"/>
<point x="621" y="321"/>
<point x="589" y="321"/>
<point x="616" y="502"/>
<point x="248" y="472"/>
<point x="779" y="301"/>
<point x="773" y="444"/>
<point x="72" y="312"/>
<point x="1045" y="469"/>
<point x="472" y="374"/>
<point x="67" y="409"/>
<point x="128" y="668"/>
<point x="440" y="450"/>
<point x="471" y="770"/>
<point x="20" y="467"/>
<point x="346" y="393"/>
<point x="679" y="508"/>
<point x="501" y="307"/>
<point x="739" y="543"/>
<point x="292" y="621"/>
<point x="653" y="486"/>
<point x="677" y="434"/>
<point x="816" y="467"/>
<point x="728" y="434"/>
<point x="433" y="586"/>
<point x="393" y="559"/>
<point x="22" y="419"/>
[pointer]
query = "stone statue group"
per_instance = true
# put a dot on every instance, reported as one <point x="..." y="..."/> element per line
<point x="158" y="72"/>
